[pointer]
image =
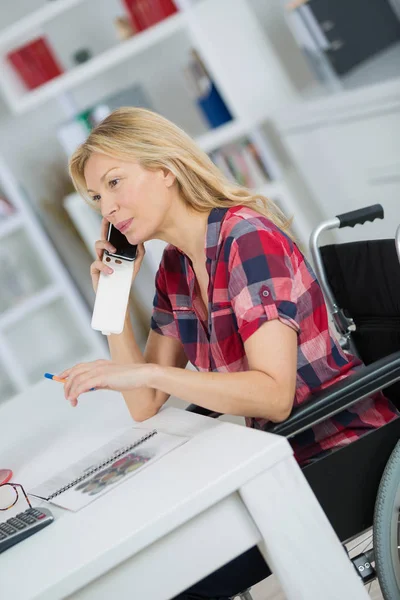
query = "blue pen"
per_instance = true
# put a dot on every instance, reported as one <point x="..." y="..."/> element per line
<point x="60" y="379"/>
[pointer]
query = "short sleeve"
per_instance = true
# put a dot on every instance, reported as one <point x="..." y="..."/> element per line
<point x="262" y="280"/>
<point x="162" y="319"/>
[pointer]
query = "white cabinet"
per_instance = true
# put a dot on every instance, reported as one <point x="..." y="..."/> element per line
<point x="44" y="323"/>
<point x="348" y="149"/>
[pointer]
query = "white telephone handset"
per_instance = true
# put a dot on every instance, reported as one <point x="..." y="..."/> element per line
<point x="112" y="296"/>
<point x="113" y="289"/>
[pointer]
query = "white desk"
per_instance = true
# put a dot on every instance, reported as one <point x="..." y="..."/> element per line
<point x="170" y="525"/>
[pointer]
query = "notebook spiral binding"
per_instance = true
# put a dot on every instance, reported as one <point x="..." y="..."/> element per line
<point x="98" y="467"/>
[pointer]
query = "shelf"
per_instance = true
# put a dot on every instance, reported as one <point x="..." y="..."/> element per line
<point x="36" y="19"/>
<point x="97" y="65"/>
<point x="22" y="271"/>
<point x="10" y="224"/>
<point x="48" y="340"/>
<point x="225" y="134"/>
<point x="35" y="302"/>
<point x="87" y="222"/>
<point x="228" y="133"/>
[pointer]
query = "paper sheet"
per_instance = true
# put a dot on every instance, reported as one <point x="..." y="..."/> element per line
<point x="106" y="478"/>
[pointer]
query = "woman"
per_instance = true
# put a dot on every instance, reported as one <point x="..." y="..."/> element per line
<point x="234" y="296"/>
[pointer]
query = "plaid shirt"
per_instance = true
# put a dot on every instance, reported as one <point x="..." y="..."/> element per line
<point x="257" y="274"/>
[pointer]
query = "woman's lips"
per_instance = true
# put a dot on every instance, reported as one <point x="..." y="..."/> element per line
<point x="124" y="225"/>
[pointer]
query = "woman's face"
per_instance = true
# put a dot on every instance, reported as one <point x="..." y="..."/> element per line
<point x="134" y="199"/>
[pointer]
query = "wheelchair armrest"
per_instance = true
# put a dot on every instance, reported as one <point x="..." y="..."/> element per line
<point x="339" y="396"/>
<point x="206" y="412"/>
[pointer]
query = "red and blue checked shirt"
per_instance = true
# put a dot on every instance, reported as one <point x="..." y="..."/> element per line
<point x="258" y="274"/>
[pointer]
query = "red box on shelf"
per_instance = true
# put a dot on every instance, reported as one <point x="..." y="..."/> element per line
<point x="168" y="7"/>
<point x="145" y="13"/>
<point x="35" y="63"/>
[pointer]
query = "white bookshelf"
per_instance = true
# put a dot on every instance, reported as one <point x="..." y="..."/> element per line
<point x="36" y="19"/>
<point x="205" y="24"/>
<point x="21" y="100"/>
<point x="44" y="323"/>
<point x="214" y="139"/>
<point x="283" y="188"/>
<point x="244" y="66"/>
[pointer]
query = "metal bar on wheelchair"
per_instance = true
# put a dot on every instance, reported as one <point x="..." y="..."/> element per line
<point x="318" y="262"/>
<point x="350" y="219"/>
<point x="342" y="323"/>
<point x="397" y="242"/>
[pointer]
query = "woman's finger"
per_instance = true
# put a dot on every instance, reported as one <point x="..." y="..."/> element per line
<point x="141" y="251"/>
<point x="104" y="228"/>
<point x="80" y="373"/>
<point x="97" y="266"/>
<point x="85" y="382"/>
<point x="73" y="374"/>
<point x="64" y="374"/>
<point x="84" y="385"/>
<point x="102" y="245"/>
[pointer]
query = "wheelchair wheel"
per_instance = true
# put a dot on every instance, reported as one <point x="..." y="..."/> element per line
<point x="387" y="528"/>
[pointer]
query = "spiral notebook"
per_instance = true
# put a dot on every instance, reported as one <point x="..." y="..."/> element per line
<point x="108" y="466"/>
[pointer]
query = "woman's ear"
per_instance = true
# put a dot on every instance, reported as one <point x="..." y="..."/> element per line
<point x="169" y="178"/>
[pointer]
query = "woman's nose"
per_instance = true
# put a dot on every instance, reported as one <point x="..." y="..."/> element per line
<point x="107" y="210"/>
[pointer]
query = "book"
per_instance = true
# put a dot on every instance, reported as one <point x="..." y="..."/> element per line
<point x="241" y="163"/>
<point x="218" y="158"/>
<point x="205" y="91"/>
<point x="168" y="7"/>
<point x="35" y="63"/>
<point x="146" y="13"/>
<point x="105" y="468"/>
<point x="133" y="16"/>
<point x="255" y="175"/>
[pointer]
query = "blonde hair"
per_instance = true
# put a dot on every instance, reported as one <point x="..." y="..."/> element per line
<point x="155" y="142"/>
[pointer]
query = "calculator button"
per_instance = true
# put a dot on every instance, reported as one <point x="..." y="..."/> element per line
<point x="7" y="529"/>
<point x="17" y="523"/>
<point x="27" y="519"/>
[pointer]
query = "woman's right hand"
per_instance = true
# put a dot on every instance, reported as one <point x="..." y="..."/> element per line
<point x="98" y="265"/>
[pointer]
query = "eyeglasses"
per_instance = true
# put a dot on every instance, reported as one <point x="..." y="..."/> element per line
<point x="9" y="495"/>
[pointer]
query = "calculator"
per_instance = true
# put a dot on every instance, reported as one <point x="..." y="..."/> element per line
<point x="23" y="525"/>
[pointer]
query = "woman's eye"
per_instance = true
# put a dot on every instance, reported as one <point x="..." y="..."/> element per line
<point x="113" y="182"/>
<point x="96" y="198"/>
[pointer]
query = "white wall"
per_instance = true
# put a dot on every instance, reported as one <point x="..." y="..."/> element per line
<point x="270" y="14"/>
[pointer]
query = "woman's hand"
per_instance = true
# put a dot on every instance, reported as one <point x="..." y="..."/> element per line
<point x="105" y="374"/>
<point x="98" y="266"/>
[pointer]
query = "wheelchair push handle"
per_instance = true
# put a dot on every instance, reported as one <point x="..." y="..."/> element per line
<point x="360" y="216"/>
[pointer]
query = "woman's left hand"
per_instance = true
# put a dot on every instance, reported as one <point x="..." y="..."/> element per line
<point x="104" y="374"/>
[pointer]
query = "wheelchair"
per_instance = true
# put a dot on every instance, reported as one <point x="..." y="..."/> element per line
<point x="358" y="486"/>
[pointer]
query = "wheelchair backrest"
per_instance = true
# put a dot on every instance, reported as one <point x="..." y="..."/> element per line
<point x="365" y="280"/>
